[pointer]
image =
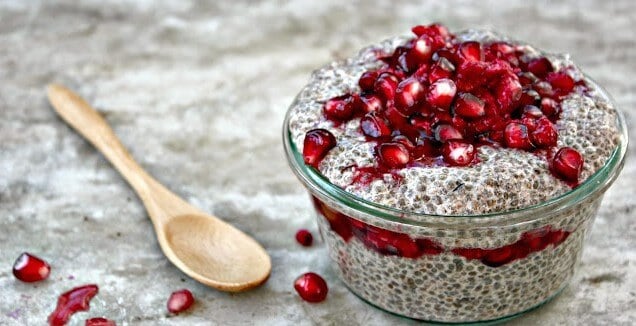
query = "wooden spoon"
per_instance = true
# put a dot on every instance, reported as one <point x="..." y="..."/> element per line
<point x="201" y="245"/>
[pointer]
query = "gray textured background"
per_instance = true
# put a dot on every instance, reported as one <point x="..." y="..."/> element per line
<point x="198" y="94"/>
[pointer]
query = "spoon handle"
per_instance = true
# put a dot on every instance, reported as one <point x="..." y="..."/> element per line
<point x="90" y="124"/>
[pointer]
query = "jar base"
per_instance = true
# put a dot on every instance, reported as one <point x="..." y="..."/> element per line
<point x="497" y="321"/>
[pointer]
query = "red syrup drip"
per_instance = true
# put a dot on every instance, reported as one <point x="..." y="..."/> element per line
<point x="77" y="299"/>
<point x="392" y="243"/>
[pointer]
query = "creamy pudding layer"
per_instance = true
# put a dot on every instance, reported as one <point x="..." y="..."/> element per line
<point x="498" y="179"/>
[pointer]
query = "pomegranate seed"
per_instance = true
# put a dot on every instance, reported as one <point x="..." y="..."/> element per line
<point x="471" y="75"/>
<point x="561" y="81"/>
<point x="508" y="91"/>
<point x="385" y="85"/>
<point x="470" y="51"/>
<point x="29" y="268"/>
<point x="408" y="92"/>
<point x="405" y="246"/>
<point x="99" y="321"/>
<point x="545" y="134"/>
<point x="516" y="136"/>
<point x="441" y="69"/>
<point x="458" y="153"/>
<point x="501" y="48"/>
<point x="304" y="237"/>
<point x="549" y="107"/>
<point x="338" y="108"/>
<point x="445" y="53"/>
<point x="532" y="111"/>
<point x="567" y="164"/>
<point x="527" y="78"/>
<point x="180" y="301"/>
<point x="429" y="247"/>
<point x="444" y="133"/>
<point x="498" y="257"/>
<point x="77" y="299"/>
<point x="401" y="139"/>
<point x="311" y="287"/>
<point x="469" y="106"/>
<point x="338" y="222"/>
<point x="422" y="124"/>
<point x="422" y="49"/>
<point x="540" y="67"/>
<point x="431" y="30"/>
<point x="441" y="93"/>
<point x="374" y="126"/>
<point x="367" y="80"/>
<point x="393" y="155"/>
<point x="369" y="103"/>
<point x="529" y="97"/>
<point x="544" y="89"/>
<point x="316" y="145"/>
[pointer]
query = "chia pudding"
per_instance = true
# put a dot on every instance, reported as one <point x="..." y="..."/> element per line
<point x="454" y="176"/>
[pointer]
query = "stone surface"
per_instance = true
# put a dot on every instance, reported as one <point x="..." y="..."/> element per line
<point x="198" y="93"/>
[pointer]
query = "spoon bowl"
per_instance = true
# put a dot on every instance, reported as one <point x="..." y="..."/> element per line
<point x="199" y="244"/>
<point x="227" y="252"/>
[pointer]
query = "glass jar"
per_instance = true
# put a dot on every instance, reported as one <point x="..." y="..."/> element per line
<point x="456" y="269"/>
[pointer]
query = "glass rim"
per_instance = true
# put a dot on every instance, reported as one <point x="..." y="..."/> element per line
<point x="598" y="181"/>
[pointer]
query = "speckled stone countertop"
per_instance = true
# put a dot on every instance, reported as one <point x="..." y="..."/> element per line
<point x="198" y="94"/>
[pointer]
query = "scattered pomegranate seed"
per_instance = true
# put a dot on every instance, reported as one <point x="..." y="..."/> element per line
<point x="441" y="93"/>
<point x="77" y="299"/>
<point x="516" y="136"/>
<point x="180" y="301"/>
<point x="469" y="106"/>
<point x="99" y="321"/>
<point x="304" y="237"/>
<point x="311" y="287"/>
<point x="458" y="153"/>
<point x="316" y="145"/>
<point x="29" y="268"/>
<point x="393" y="155"/>
<point x="567" y="164"/>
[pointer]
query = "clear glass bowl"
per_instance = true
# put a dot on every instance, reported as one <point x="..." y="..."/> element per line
<point x="456" y="269"/>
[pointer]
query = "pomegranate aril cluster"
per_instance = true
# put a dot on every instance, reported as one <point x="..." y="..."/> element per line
<point x="437" y="99"/>
<point x="391" y="243"/>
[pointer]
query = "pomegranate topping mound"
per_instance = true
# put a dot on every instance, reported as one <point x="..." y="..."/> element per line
<point x="436" y="88"/>
<point x="445" y="123"/>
